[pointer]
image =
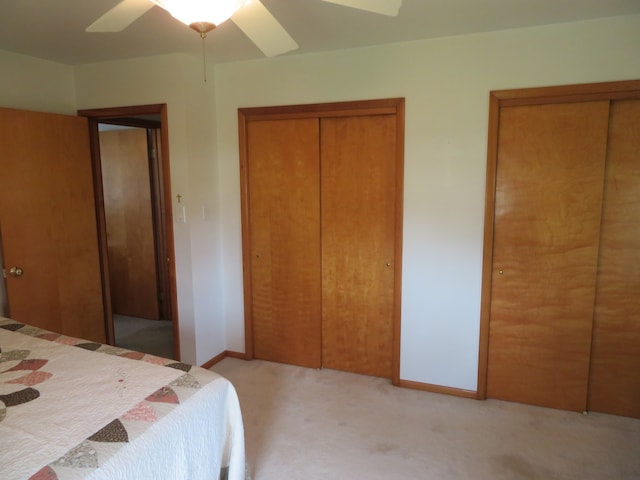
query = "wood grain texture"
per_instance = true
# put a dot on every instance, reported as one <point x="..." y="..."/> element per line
<point x="585" y="92"/>
<point x="358" y="242"/>
<point x="550" y="175"/>
<point x="284" y="221"/>
<point x="615" y="362"/>
<point x="130" y="230"/>
<point x="48" y="223"/>
<point x="487" y="251"/>
<point x="318" y="112"/>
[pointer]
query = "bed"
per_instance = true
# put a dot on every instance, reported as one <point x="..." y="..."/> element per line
<point x="74" y="409"/>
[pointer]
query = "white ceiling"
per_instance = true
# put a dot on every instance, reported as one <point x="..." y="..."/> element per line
<point x="55" y="29"/>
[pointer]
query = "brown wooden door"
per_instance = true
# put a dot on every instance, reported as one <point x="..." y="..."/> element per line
<point x="48" y="224"/>
<point x="549" y="182"/>
<point x="358" y="242"/>
<point x="615" y="362"/>
<point x="129" y="220"/>
<point x="284" y="222"/>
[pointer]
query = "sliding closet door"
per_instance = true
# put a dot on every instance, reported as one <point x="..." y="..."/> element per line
<point x="284" y="221"/>
<point x="358" y="242"/>
<point x="548" y="203"/>
<point x="615" y="364"/>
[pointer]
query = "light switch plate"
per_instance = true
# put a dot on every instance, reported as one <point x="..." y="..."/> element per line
<point x="180" y="214"/>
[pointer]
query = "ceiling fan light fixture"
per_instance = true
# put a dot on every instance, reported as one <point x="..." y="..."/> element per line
<point x="201" y="15"/>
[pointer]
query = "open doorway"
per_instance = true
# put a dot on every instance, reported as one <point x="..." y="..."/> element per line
<point x="131" y="169"/>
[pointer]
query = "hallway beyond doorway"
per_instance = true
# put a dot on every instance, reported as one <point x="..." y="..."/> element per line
<point x="149" y="336"/>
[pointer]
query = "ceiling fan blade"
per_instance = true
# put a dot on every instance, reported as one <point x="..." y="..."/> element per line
<point x="120" y="16"/>
<point x="263" y="29"/>
<point x="383" y="7"/>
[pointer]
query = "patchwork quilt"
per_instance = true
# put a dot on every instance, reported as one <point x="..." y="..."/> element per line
<point x="73" y="409"/>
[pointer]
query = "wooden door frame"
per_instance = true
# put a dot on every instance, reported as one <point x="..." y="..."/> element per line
<point x="518" y="97"/>
<point x="134" y="116"/>
<point x="390" y="106"/>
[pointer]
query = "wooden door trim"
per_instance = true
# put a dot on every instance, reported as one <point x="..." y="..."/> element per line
<point x="568" y="93"/>
<point x="243" y="119"/>
<point x="397" y="301"/>
<point x="101" y="223"/>
<point x="389" y="106"/>
<point x="124" y="114"/>
<point x="164" y="273"/>
<point x="518" y="97"/>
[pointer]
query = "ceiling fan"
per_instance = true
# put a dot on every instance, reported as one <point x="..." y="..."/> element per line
<point x="251" y="16"/>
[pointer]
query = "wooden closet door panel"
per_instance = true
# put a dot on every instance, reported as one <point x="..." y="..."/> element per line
<point x="128" y="214"/>
<point x="358" y="238"/>
<point x="549" y="183"/>
<point x="284" y="222"/>
<point x="615" y="361"/>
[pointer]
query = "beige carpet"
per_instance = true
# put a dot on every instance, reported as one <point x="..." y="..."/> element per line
<point x="307" y="424"/>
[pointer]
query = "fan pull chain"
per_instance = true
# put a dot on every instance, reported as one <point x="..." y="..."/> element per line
<point x="203" y="28"/>
<point x="203" y="35"/>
